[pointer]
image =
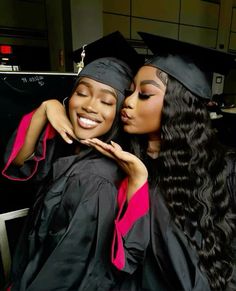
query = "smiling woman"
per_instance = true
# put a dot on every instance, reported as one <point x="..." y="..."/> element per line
<point x="92" y="108"/>
<point x="67" y="239"/>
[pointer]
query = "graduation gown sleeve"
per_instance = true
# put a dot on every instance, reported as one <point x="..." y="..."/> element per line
<point x="131" y="235"/>
<point x="30" y="167"/>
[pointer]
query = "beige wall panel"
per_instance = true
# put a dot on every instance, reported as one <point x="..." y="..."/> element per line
<point x="22" y="14"/>
<point x="113" y="22"/>
<point x="167" y="10"/>
<point x="155" y="27"/>
<point x="197" y="35"/>
<point x="117" y="6"/>
<point x="199" y="13"/>
<point x="232" y="42"/>
<point x="233" y="25"/>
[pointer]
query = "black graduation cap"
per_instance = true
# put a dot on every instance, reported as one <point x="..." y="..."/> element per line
<point x="190" y="64"/>
<point x="111" y="45"/>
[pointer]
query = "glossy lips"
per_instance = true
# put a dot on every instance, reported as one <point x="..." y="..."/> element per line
<point x="125" y="117"/>
<point x="87" y="122"/>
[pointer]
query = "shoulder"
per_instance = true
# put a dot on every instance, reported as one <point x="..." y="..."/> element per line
<point x="92" y="168"/>
<point x="105" y="168"/>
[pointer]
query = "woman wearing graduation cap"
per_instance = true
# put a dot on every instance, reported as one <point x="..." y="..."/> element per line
<point x="67" y="239"/>
<point x="192" y="180"/>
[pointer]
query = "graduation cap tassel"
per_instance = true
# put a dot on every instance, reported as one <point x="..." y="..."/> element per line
<point x="80" y="65"/>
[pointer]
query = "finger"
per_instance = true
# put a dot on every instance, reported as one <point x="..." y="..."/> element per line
<point x="116" y="145"/>
<point x="65" y="136"/>
<point x="96" y="141"/>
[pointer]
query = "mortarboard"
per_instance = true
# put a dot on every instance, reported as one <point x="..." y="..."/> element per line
<point x="190" y="64"/>
<point x="110" y="60"/>
<point x="111" y="45"/>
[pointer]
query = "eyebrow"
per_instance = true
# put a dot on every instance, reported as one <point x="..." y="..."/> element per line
<point x="152" y="82"/>
<point x="106" y="91"/>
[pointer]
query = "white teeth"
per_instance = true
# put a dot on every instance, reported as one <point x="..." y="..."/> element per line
<point x="87" y="121"/>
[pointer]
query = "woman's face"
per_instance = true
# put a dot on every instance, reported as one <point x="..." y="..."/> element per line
<point x="141" y="113"/>
<point x="92" y="108"/>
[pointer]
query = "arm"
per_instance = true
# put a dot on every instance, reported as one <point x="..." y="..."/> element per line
<point x="52" y="111"/>
<point x="132" y="225"/>
<point x="32" y="137"/>
<point x="131" y="233"/>
<point x="134" y="168"/>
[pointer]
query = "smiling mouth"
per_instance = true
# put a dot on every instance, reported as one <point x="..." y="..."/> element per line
<point x="87" y="123"/>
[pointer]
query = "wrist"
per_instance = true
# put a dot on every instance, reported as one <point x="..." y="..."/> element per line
<point x="134" y="183"/>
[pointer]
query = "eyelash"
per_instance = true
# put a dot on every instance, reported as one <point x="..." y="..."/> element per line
<point x="141" y="96"/>
<point x="106" y="103"/>
<point x="128" y="92"/>
<point x="80" y="94"/>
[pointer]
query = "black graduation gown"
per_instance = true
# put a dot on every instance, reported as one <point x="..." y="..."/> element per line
<point x="171" y="264"/>
<point x="67" y="241"/>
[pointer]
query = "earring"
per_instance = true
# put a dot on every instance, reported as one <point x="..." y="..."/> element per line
<point x="80" y="65"/>
<point x="64" y="101"/>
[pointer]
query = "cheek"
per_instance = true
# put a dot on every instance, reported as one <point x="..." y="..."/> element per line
<point x="73" y="102"/>
<point x="151" y="116"/>
<point x="72" y="106"/>
<point x="109" y="116"/>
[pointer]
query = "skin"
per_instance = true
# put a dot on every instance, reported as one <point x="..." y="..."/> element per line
<point x="92" y="109"/>
<point x="141" y="113"/>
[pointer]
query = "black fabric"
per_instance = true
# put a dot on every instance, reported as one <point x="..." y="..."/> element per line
<point x="110" y="71"/>
<point x="111" y="45"/>
<point x="70" y="227"/>
<point x="171" y="264"/>
<point x="190" y="64"/>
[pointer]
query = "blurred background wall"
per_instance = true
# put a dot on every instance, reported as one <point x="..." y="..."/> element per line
<point x="43" y="33"/>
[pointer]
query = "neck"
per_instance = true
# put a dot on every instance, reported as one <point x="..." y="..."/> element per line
<point x="154" y="145"/>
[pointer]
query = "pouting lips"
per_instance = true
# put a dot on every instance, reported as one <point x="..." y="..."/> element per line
<point x="124" y="116"/>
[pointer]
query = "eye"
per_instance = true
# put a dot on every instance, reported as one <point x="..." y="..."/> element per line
<point x="82" y="94"/>
<point x="143" y="96"/>
<point x="128" y="92"/>
<point x="107" y="103"/>
<point x="108" y="100"/>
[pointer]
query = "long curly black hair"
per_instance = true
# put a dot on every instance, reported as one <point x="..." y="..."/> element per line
<point x="192" y="174"/>
<point x="192" y="177"/>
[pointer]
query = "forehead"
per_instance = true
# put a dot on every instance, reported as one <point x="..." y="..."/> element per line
<point x="149" y="73"/>
<point x="92" y="83"/>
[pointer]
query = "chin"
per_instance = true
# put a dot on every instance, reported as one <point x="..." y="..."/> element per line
<point x="130" y="130"/>
<point x="86" y="135"/>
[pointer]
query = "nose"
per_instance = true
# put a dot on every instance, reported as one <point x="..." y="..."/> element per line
<point x="129" y="101"/>
<point x="90" y="106"/>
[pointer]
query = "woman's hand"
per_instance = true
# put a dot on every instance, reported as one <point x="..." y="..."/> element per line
<point x="56" y="115"/>
<point x="130" y="164"/>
